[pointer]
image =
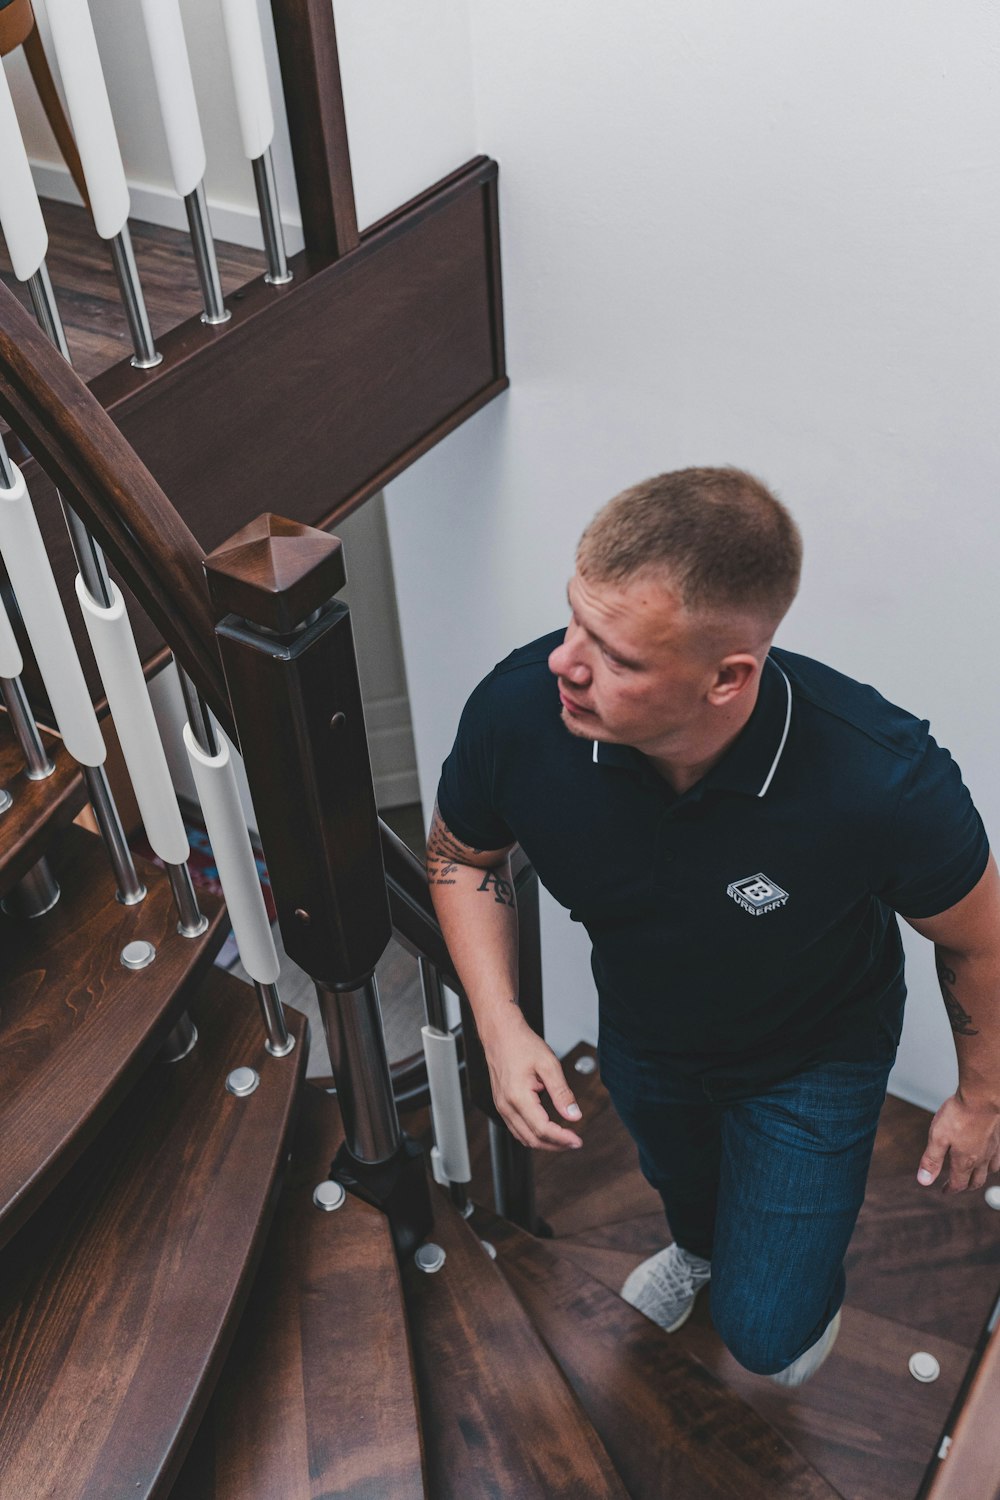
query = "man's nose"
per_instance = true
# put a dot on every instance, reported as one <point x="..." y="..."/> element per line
<point x="564" y="663"/>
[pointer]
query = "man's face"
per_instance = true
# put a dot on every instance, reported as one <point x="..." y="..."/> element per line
<point x="631" y="669"/>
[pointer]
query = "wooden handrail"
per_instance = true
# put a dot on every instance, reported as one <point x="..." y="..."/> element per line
<point x="101" y="476"/>
<point x="74" y="440"/>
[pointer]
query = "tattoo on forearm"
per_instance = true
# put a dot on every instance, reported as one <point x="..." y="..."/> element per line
<point x="444" y="854"/>
<point x="961" y="1021"/>
<point x="503" y="891"/>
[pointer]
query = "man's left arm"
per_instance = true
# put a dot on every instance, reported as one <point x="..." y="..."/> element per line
<point x="965" y="1132"/>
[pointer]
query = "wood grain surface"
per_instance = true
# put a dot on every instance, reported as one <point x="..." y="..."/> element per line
<point x="922" y="1273"/>
<point x="317" y="1398"/>
<point x="39" y="807"/>
<point x="119" y="1297"/>
<point x="669" y="1426"/>
<point x="499" y="1418"/>
<point x="76" y="1027"/>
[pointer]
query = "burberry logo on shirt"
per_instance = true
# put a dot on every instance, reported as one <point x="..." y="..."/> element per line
<point x="757" y="894"/>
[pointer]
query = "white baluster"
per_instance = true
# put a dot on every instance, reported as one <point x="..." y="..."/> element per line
<point x="31" y="577"/>
<point x="450" y="1159"/>
<point x="225" y="824"/>
<point x="89" y="111"/>
<point x="20" y="213"/>
<point x="186" y="148"/>
<point x="253" y="106"/>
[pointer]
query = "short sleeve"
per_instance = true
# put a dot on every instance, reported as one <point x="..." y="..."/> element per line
<point x="466" y="790"/>
<point x="937" y="847"/>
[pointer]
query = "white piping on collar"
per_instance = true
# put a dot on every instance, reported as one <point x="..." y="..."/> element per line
<point x="596" y="761"/>
<point x="788" y="719"/>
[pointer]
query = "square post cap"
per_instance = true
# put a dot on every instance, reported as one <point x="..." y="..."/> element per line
<point x="275" y="573"/>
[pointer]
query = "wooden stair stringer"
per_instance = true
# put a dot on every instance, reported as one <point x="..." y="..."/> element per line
<point x="318" y="1396"/>
<point x="669" y="1426"/>
<point x="39" y="808"/>
<point x="120" y="1296"/>
<point x="499" y="1417"/>
<point x="76" y="1027"/>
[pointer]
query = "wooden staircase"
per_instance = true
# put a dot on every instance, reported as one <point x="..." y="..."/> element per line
<point x="178" y="1316"/>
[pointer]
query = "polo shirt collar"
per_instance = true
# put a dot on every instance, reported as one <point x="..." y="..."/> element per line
<point x="750" y="763"/>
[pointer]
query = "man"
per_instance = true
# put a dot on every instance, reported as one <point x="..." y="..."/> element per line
<point x="735" y="826"/>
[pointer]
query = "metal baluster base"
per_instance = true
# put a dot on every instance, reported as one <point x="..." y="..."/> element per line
<point x="513" y="1180"/>
<point x="180" y="1042"/>
<point x="192" y="921"/>
<point x="130" y="888"/>
<point x="35" y="893"/>
<point x="204" y="254"/>
<point x="352" y="1021"/>
<point x="279" y="1039"/>
<point x="278" y="273"/>
<point x="399" y="1188"/>
<point x="38" y="766"/>
<point x="146" y="356"/>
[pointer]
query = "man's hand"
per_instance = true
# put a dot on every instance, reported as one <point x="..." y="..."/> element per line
<point x="968" y="1135"/>
<point x="521" y="1066"/>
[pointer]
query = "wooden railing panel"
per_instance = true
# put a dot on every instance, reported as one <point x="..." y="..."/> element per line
<point x="315" y="395"/>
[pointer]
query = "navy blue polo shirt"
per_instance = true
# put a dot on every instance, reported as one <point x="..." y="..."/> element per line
<point x="746" y="927"/>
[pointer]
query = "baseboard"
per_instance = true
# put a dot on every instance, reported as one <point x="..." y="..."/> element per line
<point x="232" y="223"/>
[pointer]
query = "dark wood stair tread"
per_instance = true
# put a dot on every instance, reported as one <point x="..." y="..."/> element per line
<point x="499" y="1419"/>
<point x="670" y="1427"/>
<point x="118" y="1298"/>
<point x="76" y="1027"/>
<point x="38" y="808"/>
<point x="863" y="1421"/>
<point x="317" y="1397"/>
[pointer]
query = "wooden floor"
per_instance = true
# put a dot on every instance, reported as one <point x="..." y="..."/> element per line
<point x="79" y="263"/>
<point x="923" y="1274"/>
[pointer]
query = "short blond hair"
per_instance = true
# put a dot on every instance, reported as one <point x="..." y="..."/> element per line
<point x="719" y="537"/>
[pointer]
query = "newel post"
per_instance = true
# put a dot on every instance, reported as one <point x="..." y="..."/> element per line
<point x="288" y="655"/>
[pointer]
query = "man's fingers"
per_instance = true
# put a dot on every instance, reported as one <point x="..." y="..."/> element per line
<point x="535" y="1129"/>
<point x="559" y="1090"/>
<point x="960" y="1169"/>
<point x="930" y="1166"/>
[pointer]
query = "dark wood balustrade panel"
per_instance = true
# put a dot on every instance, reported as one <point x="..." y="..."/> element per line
<point x="39" y="807"/>
<point x="120" y="1297"/>
<point x="316" y="394"/>
<point x="76" y="1028"/>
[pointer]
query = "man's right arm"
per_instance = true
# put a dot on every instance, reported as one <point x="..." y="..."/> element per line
<point x="473" y="895"/>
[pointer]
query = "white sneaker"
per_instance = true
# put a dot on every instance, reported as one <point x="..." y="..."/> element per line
<point x="802" y="1369"/>
<point x="664" y="1286"/>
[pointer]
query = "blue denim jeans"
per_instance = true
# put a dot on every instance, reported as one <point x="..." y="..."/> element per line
<point x="767" y="1186"/>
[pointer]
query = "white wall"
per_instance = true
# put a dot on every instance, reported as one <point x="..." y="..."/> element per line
<point x="765" y="235"/>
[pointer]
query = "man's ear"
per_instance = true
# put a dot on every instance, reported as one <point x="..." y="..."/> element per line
<point x="734" y="676"/>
